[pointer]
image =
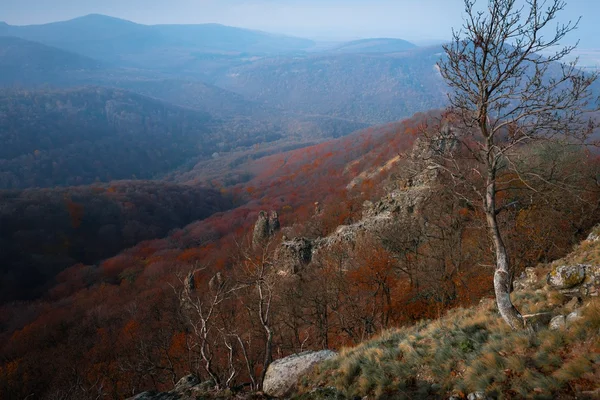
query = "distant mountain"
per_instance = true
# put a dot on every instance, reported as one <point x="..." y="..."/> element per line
<point x="126" y="43"/>
<point x="371" y="88"/>
<point x="378" y="45"/>
<point x="25" y="63"/>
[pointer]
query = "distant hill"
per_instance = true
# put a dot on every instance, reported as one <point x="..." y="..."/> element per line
<point x="372" y="88"/>
<point x="83" y="135"/>
<point x="79" y="136"/>
<point x="25" y="63"/>
<point x="123" y="42"/>
<point x="376" y="45"/>
<point x="193" y="94"/>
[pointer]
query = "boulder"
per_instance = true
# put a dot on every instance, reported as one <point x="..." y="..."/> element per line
<point x="566" y="276"/>
<point x="187" y="382"/>
<point x="557" y="323"/>
<point x="478" y="396"/>
<point x="574" y="316"/>
<point x="155" y="396"/>
<point x="282" y="375"/>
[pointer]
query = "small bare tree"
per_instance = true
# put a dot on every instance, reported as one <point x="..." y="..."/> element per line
<point x="508" y="89"/>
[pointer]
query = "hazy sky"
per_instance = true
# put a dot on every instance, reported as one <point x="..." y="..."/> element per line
<point x="408" y="19"/>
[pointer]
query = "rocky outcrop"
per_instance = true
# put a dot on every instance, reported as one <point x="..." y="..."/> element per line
<point x="265" y="227"/>
<point x="566" y="276"/>
<point x="293" y="255"/>
<point x="216" y="282"/>
<point x="282" y="375"/>
<point x="574" y="280"/>
<point x="527" y="280"/>
<point x="594" y="235"/>
<point x="188" y="388"/>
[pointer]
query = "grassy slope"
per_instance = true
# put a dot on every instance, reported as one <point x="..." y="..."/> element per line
<point x="471" y="350"/>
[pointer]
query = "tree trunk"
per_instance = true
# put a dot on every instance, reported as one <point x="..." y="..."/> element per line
<point x="502" y="279"/>
<point x="268" y="354"/>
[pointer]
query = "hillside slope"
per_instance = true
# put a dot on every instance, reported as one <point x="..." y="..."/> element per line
<point x="375" y="45"/>
<point x="44" y="231"/>
<point x="473" y="351"/>
<point x="373" y="88"/>
<point x="79" y="136"/>
<point x="125" y="43"/>
<point x="128" y="322"/>
<point x="24" y="63"/>
<point x="82" y="135"/>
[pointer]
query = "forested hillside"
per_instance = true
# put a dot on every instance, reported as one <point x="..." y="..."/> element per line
<point x="374" y="88"/>
<point x="43" y="231"/>
<point x="24" y="64"/>
<point x="367" y="272"/>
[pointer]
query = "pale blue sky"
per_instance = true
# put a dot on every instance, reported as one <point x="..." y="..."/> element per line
<point x="336" y="19"/>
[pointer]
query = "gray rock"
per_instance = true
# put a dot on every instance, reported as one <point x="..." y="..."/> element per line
<point x="265" y="227"/>
<point x="292" y="255"/>
<point x="558" y="322"/>
<point x="594" y="235"/>
<point x="282" y="375"/>
<point x="187" y="388"/>
<point x="155" y="396"/>
<point x="216" y="282"/>
<point x="591" y="283"/>
<point x="566" y="276"/>
<point x="187" y="382"/>
<point x="478" y="396"/>
<point x="574" y="316"/>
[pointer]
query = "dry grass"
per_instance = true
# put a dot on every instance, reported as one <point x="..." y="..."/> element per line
<point x="470" y="350"/>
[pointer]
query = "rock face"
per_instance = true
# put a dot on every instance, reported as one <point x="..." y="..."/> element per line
<point x="266" y="225"/>
<point x="187" y="388"/>
<point x="292" y="255"/>
<point x="566" y="276"/>
<point x="399" y="212"/>
<point x="282" y="375"/>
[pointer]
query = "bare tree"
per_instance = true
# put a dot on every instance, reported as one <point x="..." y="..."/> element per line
<point x="259" y="278"/>
<point x="508" y="89"/>
<point x="201" y="313"/>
